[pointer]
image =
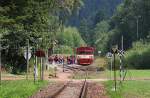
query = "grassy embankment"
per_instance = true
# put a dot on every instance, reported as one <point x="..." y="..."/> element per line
<point x="131" y="75"/>
<point x="20" y="88"/>
<point x="101" y="62"/>
<point x="129" y="89"/>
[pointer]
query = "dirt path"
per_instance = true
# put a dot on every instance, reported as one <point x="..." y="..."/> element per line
<point x="60" y="75"/>
<point x="49" y="90"/>
<point x="96" y="90"/>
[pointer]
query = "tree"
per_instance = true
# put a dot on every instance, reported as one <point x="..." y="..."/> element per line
<point x="102" y="36"/>
<point x="86" y="32"/>
<point x="31" y="19"/>
<point x="129" y="15"/>
<point x="70" y="37"/>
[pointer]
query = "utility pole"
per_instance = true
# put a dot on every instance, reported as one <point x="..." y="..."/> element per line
<point x="114" y="49"/>
<point x="36" y="63"/>
<point x="0" y="64"/>
<point x="34" y="66"/>
<point x="111" y="60"/>
<point x="137" y="23"/>
<point x="122" y="43"/>
<point x="27" y="58"/>
<point x="115" y="71"/>
<point x="42" y="68"/>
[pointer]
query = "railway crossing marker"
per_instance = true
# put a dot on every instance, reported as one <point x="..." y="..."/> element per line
<point x="123" y="72"/>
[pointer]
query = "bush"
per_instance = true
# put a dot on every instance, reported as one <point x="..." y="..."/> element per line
<point x="139" y="56"/>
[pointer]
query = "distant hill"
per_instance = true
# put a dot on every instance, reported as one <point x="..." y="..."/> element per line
<point x="91" y="8"/>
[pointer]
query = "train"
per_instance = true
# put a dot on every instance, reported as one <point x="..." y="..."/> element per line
<point x="85" y="55"/>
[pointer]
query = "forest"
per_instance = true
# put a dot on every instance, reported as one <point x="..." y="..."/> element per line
<point x="73" y="23"/>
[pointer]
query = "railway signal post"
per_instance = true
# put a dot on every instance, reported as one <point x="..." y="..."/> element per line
<point x="114" y="50"/>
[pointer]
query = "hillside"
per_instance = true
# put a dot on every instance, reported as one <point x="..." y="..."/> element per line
<point x="93" y="7"/>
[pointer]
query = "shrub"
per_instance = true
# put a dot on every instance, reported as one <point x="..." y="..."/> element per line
<point x="138" y="56"/>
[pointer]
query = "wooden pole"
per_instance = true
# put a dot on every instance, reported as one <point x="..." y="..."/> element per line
<point x="27" y="59"/>
<point x="115" y="72"/>
<point x="42" y="69"/>
<point x="34" y="67"/>
<point x="137" y="22"/>
<point x="0" y="64"/>
<point x="36" y="63"/>
<point x="122" y="43"/>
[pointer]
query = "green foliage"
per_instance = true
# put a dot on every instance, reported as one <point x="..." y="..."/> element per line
<point x="138" y="56"/>
<point x="105" y="38"/>
<point x="62" y="49"/>
<point x="129" y="18"/>
<point x="32" y="19"/>
<point x="86" y="31"/>
<point x="19" y="88"/>
<point x="130" y="14"/>
<point x="129" y="89"/>
<point x="68" y="40"/>
<point x="102" y="36"/>
<point x="70" y="37"/>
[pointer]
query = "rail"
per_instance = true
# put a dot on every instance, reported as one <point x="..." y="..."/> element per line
<point x="83" y="90"/>
<point x="60" y="90"/>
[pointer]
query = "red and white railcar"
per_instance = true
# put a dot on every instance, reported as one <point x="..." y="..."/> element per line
<point x="85" y="55"/>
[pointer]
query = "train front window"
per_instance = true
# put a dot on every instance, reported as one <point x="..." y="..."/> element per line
<point x="84" y="52"/>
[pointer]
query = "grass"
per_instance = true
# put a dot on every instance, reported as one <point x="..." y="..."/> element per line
<point x="100" y="62"/>
<point x="139" y="73"/>
<point x="131" y="74"/>
<point x="129" y="89"/>
<point x="134" y="74"/>
<point x="20" y="88"/>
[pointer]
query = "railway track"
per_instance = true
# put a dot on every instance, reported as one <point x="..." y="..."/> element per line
<point x="76" y="68"/>
<point x="73" y="90"/>
<point x="64" y="90"/>
<point x="70" y="89"/>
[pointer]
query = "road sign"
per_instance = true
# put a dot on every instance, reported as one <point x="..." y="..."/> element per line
<point x="29" y="54"/>
<point x="109" y="55"/>
<point x="40" y="53"/>
<point x="99" y="52"/>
